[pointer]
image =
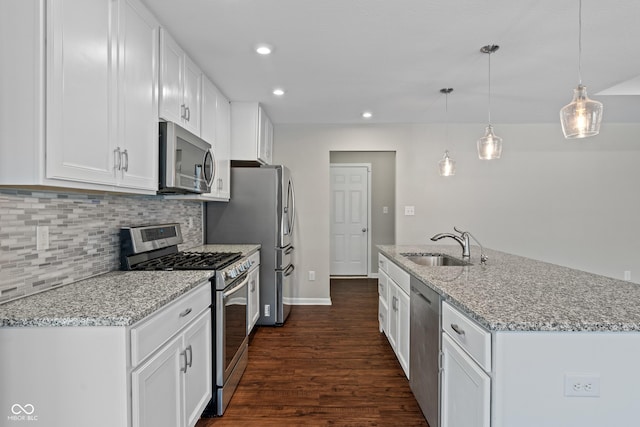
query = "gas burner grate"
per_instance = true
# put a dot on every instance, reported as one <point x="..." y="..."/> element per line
<point x="190" y="261"/>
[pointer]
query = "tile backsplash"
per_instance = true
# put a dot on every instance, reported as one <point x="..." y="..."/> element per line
<point x="83" y="234"/>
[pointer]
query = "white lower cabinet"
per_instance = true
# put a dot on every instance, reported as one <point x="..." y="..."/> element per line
<point x="155" y="373"/>
<point x="465" y="389"/>
<point x="173" y="386"/>
<point x="465" y="385"/>
<point x="253" y="303"/>
<point x="394" y="309"/>
<point x="156" y="389"/>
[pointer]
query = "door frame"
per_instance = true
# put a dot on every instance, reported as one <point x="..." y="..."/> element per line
<point x="368" y="166"/>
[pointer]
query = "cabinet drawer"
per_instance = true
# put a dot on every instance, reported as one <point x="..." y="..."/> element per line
<point x="158" y="328"/>
<point x="473" y="339"/>
<point x="383" y="312"/>
<point x="400" y="277"/>
<point x="383" y="263"/>
<point x="383" y="286"/>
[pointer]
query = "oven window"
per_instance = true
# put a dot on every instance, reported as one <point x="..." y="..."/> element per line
<point x="235" y="325"/>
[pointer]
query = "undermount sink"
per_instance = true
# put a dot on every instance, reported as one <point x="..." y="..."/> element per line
<point x="434" y="259"/>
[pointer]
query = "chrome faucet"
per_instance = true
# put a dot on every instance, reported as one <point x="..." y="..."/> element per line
<point x="463" y="240"/>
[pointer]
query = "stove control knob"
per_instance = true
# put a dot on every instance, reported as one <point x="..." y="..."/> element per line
<point x="232" y="273"/>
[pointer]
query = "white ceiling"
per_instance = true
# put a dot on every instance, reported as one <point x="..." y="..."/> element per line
<point x="337" y="58"/>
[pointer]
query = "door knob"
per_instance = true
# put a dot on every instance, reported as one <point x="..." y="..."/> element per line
<point x="364" y="229"/>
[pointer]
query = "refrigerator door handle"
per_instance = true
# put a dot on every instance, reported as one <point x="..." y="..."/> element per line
<point x="290" y="211"/>
<point x="287" y="271"/>
<point x="288" y="249"/>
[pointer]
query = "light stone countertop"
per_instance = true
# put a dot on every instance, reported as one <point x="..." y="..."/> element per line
<point x="513" y="293"/>
<point x="118" y="298"/>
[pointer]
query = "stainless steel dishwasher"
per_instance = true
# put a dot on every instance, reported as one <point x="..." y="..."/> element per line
<point x="425" y="350"/>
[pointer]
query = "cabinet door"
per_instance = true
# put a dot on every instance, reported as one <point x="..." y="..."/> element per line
<point x="465" y="389"/>
<point x="137" y="102"/>
<point x="265" y="137"/>
<point x="208" y="111"/>
<point x="383" y="296"/>
<point x="223" y="146"/>
<point x="403" y="332"/>
<point x="253" y="309"/>
<point x="191" y="95"/>
<point x="199" y="376"/>
<point x="80" y="124"/>
<point x="172" y="59"/>
<point x="156" y="389"/>
<point x="392" y="334"/>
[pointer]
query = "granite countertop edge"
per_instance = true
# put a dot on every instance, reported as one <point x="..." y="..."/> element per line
<point x="514" y="293"/>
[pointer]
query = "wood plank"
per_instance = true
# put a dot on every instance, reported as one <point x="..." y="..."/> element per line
<point x="328" y="365"/>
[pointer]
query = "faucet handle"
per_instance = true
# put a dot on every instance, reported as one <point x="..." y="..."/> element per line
<point x="458" y="230"/>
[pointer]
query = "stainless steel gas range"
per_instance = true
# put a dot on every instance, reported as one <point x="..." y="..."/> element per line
<point x="155" y="247"/>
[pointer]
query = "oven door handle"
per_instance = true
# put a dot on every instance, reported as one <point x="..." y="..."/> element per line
<point x="237" y="287"/>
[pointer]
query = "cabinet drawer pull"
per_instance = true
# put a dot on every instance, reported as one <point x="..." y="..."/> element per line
<point x="190" y="358"/>
<point x="186" y="312"/>
<point x="457" y="329"/>
<point x="117" y="159"/>
<point x="125" y="155"/>
<point x="184" y="353"/>
<point x="183" y="111"/>
<point x="188" y="114"/>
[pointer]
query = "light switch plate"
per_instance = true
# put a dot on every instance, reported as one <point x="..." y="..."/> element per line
<point x="409" y="210"/>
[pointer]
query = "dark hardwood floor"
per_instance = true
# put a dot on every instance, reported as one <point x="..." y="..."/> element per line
<point x="328" y="365"/>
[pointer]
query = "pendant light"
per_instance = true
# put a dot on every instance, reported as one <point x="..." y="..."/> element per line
<point x="490" y="145"/>
<point x="446" y="166"/>
<point x="582" y="117"/>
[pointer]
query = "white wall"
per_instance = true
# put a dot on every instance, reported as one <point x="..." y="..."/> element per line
<point x="573" y="203"/>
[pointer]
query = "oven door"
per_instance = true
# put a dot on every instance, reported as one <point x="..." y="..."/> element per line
<point x="230" y="327"/>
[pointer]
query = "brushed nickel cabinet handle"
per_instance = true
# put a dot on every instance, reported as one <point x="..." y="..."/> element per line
<point x="186" y="312"/>
<point x="457" y="329"/>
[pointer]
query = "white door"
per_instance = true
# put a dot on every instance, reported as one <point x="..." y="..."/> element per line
<point x="349" y="219"/>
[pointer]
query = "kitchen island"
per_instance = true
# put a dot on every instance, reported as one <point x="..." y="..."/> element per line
<point x="562" y="344"/>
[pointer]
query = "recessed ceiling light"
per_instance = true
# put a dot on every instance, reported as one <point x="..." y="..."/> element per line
<point x="264" y="49"/>
<point x="278" y="92"/>
<point x="367" y="115"/>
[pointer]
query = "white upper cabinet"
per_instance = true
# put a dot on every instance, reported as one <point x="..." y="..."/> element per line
<point x="180" y="86"/>
<point x="251" y="133"/>
<point x="216" y="130"/>
<point x="87" y="109"/>
<point x="81" y="88"/>
<point x="137" y="95"/>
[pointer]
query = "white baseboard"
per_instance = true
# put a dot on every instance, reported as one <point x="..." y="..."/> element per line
<point x="374" y="275"/>
<point x="307" y="301"/>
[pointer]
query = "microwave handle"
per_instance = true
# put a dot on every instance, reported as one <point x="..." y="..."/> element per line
<point x="210" y="179"/>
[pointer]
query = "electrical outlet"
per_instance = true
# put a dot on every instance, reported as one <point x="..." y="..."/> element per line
<point x="409" y="210"/>
<point x="582" y="385"/>
<point x="627" y="275"/>
<point x="42" y="237"/>
<point x="385" y="209"/>
<point x="312" y="276"/>
<point x="267" y="310"/>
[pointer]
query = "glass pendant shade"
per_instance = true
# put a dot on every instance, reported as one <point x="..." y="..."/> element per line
<point x="490" y="145"/>
<point x="447" y="165"/>
<point x="582" y="117"/>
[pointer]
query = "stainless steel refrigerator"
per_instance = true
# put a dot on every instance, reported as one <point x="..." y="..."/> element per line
<point x="261" y="210"/>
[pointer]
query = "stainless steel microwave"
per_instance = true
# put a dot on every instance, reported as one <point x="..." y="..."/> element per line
<point x="187" y="164"/>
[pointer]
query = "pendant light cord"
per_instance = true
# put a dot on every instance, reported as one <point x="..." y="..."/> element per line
<point x="580" y="42"/>
<point x="490" y="88"/>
